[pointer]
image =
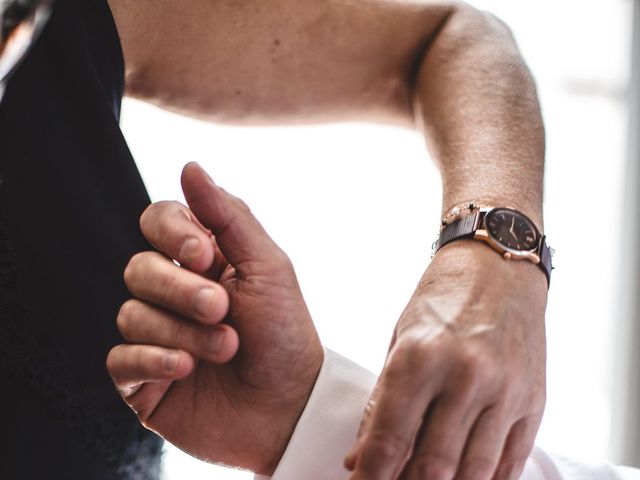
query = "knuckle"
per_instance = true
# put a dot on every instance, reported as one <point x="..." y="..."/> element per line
<point x="412" y="358"/>
<point x="147" y="216"/>
<point x="283" y="260"/>
<point x="126" y="316"/>
<point x="241" y="205"/>
<point x="284" y="270"/>
<point x="516" y="452"/>
<point x="510" y="469"/>
<point x="411" y="341"/>
<point x="133" y="267"/>
<point x="113" y="360"/>
<point x="278" y="270"/>
<point x="157" y="211"/>
<point x="477" y="468"/>
<point x="398" y="366"/>
<point x="173" y="218"/>
<point x="433" y="467"/>
<point x="181" y="334"/>
<point x="238" y="205"/>
<point x="473" y="364"/>
<point x="383" y="448"/>
<point x="109" y="362"/>
<point x="476" y="371"/>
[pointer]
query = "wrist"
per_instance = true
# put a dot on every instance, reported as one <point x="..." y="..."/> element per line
<point x="506" y="230"/>
<point x="285" y="419"/>
<point x="329" y="423"/>
<point x="470" y="262"/>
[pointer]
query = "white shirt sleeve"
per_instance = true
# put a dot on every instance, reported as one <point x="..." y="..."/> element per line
<point x="329" y="424"/>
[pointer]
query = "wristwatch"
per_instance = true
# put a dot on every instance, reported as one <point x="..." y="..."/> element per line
<point x="508" y="231"/>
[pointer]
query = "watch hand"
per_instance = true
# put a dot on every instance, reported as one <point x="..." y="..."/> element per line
<point x="513" y="234"/>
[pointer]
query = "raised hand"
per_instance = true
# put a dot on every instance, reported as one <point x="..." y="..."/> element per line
<point x="463" y="389"/>
<point x="222" y="353"/>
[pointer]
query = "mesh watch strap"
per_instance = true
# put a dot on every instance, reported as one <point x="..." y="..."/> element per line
<point x="464" y="227"/>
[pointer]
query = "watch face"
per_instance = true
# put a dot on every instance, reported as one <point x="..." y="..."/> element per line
<point x="512" y="229"/>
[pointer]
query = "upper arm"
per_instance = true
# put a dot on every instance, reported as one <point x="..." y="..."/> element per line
<point x="277" y="60"/>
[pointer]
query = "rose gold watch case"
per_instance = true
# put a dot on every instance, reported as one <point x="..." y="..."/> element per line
<point x="483" y="234"/>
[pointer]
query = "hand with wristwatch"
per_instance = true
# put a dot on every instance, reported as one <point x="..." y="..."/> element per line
<point x="466" y="363"/>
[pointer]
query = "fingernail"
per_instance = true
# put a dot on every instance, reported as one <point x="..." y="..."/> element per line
<point x="215" y="341"/>
<point x="204" y="302"/>
<point x="189" y="250"/>
<point x="350" y="460"/>
<point x="171" y="362"/>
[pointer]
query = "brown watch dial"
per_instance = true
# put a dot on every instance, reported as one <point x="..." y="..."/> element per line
<point x="512" y="229"/>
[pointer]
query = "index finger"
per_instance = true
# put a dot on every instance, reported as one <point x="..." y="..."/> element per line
<point x="173" y="230"/>
<point x="388" y="433"/>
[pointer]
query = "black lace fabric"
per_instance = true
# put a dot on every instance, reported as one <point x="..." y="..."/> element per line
<point x="130" y="453"/>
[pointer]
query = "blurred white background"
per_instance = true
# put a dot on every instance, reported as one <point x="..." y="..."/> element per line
<point x="357" y="207"/>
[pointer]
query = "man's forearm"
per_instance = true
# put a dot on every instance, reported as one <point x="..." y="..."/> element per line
<point x="477" y="102"/>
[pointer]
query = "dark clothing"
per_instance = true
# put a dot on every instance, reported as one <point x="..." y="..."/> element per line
<point x="70" y="200"/>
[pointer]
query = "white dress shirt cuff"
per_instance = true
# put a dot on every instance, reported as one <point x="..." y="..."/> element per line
<point x="328" y="426"/>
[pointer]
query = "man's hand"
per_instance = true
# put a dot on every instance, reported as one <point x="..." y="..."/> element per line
<point x="241" y="413"/>
<point x="466" y="366"/>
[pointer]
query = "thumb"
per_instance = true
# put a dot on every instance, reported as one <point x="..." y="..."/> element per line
<point x="352" y="457"/>
<point x="238" y="233"/>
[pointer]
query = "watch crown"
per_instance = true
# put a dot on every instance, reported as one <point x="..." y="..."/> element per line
<point x="507" y="256"/>
<point x="434" y="246"/>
